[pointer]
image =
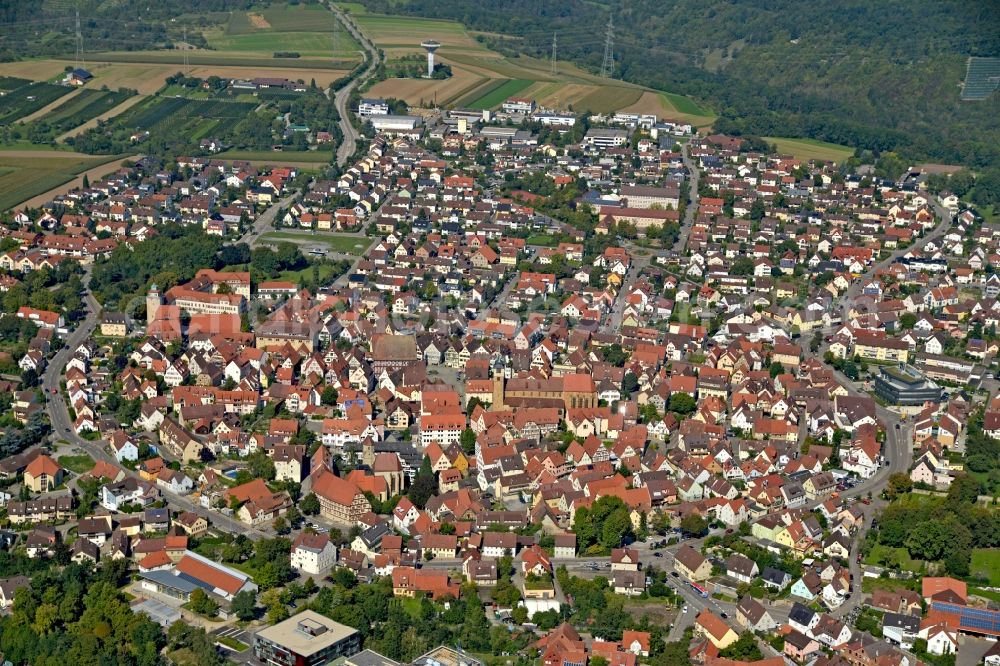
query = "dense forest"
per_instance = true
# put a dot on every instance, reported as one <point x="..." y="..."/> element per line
<point x="875" y="75"/>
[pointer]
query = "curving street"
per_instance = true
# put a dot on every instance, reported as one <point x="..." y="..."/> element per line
<point x="341" y="97"/>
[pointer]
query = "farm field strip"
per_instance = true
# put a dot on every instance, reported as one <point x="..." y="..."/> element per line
<point x="111" y="113"/>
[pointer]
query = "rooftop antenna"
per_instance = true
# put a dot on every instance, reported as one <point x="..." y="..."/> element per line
<point x="608" y="64"/>
<point x="555" y="70"/>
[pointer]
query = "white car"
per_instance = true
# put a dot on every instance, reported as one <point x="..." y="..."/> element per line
<point x="684" y="610"/>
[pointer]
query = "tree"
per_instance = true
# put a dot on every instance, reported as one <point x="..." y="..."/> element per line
<point x="329" y="396"/>
<point x="682" y="403"/>
<point x="244" y="605"/>
<point x="744" y="649"/>
<point x="631" y="384"/>
<point x="260" y="465"/>
<point x="202" y="604"/>
<point x="468" y="441"/>
<point x="693" y="525"/>
<point x="899" y="484"/>
<point x="423" y="488"/>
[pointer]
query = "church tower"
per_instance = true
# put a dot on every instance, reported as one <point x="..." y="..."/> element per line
<point x="153" y="301"/>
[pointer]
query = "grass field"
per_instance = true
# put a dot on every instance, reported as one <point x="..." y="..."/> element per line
<point x="986" y="563"/>
<point x="811" y="149"/>
<point x="608" y="98"/>
<point x="333" y="243"/>
<point x="30" y="173"/>
<point x="500" y="93"/>
<point x="79" y="464"/>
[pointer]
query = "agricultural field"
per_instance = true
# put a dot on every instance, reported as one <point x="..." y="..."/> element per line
<point x="28" y="173"/>
<point x="415" y="91"/>
<point x="498" y="93"/>
<point x="81" y="107"/>
<point x="811" y="149"/>
<point x="671" y="107"/>
<point x="28" y="98"/>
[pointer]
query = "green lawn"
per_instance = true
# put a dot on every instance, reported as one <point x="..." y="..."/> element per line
<point x="80" y="463"/>
<point x="882" y="555"/>
<point x="986" y="563"/>
<point x="232" y="643"/>
<point x="985" y="594"/>
<point x="543" y="240"/>
<point x="811" y="149"/>
<point x="869" y="584"/>
<point x="334" y="243"/>
<point x="305" y="275"/>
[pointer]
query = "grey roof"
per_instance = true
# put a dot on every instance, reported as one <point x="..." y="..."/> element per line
<point x="181" y="583"/>
<point x="801" y="614"/>
<point x="907" y="622"/>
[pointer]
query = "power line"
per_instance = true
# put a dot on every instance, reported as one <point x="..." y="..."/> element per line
<point x="79" y="39"/>
<point x="607" y="66"/>
<point x="185" y="46"/>
<point x="555" y="70"/>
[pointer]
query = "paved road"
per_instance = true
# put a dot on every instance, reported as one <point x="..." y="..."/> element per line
<point x="265" y="221"/>
<point x="692" y="203"/>
<point x="340" y="98"/>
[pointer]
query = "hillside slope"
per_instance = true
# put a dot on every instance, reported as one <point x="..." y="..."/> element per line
<point x="882" y="76"/>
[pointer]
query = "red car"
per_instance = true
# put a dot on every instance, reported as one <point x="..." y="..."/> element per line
<point x="54" y="391"/>
<point x="866" y="501"/>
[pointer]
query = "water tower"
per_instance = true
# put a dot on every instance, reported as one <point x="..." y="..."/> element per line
<point x="431" y="47"/>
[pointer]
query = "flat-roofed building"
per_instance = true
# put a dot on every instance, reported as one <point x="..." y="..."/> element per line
<point x="307" y="639"/>
<point x="906" y="385"/>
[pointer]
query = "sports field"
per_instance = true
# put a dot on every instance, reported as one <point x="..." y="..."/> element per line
<point x="811" y="149"/>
